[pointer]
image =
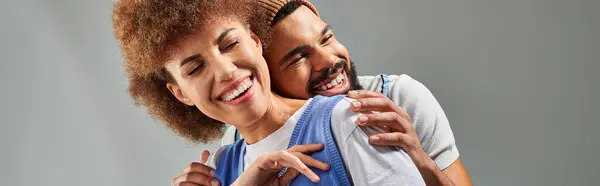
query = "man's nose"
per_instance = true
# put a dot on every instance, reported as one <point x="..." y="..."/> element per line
<point x="323" y="60"/>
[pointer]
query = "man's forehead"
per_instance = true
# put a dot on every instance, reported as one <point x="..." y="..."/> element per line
<point x="301" y="23"/>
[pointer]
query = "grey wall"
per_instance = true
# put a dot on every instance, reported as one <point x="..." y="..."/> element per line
<point x="516" y="78"/>
<point x="66" y="116"/>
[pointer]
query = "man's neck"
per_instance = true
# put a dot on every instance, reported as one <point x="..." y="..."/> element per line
<point x="279" y="111"/>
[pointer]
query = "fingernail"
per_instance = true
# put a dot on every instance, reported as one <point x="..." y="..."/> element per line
<point x="214" y="183"/>
<point x="356" y="104"/>
<point x="352" y="93"/>
<point x="374" y="138"/>
<point x="212" y="173"/>
<point x="363" y="119"/>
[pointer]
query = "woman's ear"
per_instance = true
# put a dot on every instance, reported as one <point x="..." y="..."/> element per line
<point x="257" y="40"/>
<point x="178" y="93"/>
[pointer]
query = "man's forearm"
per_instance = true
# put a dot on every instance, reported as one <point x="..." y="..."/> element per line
<point x="430" y="172"/>
<point x="434" y="176"/>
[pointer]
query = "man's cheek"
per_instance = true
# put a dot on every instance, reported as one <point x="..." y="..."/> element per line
<point x="292" y="86"/>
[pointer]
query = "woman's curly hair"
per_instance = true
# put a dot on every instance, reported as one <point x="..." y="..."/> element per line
<point x="147" y="29"/>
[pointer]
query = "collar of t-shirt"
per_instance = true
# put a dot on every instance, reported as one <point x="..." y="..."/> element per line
<point x="276" y="141"/>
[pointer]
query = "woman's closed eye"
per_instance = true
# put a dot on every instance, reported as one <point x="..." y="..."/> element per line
<point x="195" y="68"/>
<point x="230" y="45"/>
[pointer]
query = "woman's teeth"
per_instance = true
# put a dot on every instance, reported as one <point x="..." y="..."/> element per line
<point x="336" y="81"/>
<point x="241" y="89"/>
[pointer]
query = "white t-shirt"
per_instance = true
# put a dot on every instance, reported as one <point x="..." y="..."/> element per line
<point x="430" y="121"/>
<point x="367" y="164"/>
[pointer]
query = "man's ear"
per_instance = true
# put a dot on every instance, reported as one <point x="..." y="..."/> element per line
<point x="178" y="93"/>
<point x="257" y="40"/>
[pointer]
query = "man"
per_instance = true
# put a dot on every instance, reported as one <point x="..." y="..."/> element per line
<point x="305" y="60"/>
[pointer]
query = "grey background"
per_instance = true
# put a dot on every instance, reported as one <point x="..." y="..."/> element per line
<point x="517" y="79"/>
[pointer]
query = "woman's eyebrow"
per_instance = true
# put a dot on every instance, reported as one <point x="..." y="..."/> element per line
<point x="223" y="34"/>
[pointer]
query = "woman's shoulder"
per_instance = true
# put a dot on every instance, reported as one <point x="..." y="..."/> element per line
<point x="230" y="151"/>
<point x="213" y="159"/>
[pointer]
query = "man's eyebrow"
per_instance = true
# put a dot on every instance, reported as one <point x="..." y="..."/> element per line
<point x="325" y="30"/>
<point x="293" y="52"/>
<point x="189" y="59"/>
<point x="223" y="34"/>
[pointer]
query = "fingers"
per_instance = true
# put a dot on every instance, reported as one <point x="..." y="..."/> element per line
<point x="286" y="159"/>
<point x="385" y="119"/>
<point x="373" y="104"/>
<point x="196" y="174"/>
<point x="299" y="150"/>
<point x="308" y="148"/>
<point x="204" y="156"/>
<point x="376" y="105"/>
<point x="187" y="184"/>
<point x="200" y="168"/>
<point x="311" y="162"/>
<point x="389" y="139"/>
<point x="194" y="179"/>
<point x="358" y="94"/>
<point x="289" y="175"/>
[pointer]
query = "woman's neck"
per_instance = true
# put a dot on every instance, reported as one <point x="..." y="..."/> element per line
<point x="280" y="109"/>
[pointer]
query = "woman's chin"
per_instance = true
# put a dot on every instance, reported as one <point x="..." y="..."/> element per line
<point x="248" y="107"/>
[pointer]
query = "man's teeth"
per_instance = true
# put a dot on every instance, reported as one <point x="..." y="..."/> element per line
<point x="336" y="81"/>
<point x="243" y="87"/>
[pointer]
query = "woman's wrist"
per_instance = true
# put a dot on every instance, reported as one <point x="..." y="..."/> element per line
<point x="250" y="176"/>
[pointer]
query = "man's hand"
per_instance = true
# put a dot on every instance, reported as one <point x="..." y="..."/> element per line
<point x="382" y="112"/>
<point x="265" y="169"/>
<point x="379" y="110"/>
<point x="197" y="174"/>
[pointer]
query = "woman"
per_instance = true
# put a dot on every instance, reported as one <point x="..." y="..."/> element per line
<point x="196" y="65"/>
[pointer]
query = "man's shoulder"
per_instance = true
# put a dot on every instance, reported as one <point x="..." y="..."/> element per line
<point x="409" y="94"/>
<point x="374" y="82"/>
<point x="213" y="159"/>
<point x="378" y="77"/>
<point x="399" y="86"/>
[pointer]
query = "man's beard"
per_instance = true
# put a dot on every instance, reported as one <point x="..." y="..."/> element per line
<point x="341" y="64"/>
<point x="354" y="83"/>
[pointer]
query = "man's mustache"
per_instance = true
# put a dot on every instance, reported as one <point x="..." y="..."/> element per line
<point x="341" y="64"/>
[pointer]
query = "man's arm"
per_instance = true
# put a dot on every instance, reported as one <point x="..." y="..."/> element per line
<point x="401" y="133"/>
<point x="458" y="174"/>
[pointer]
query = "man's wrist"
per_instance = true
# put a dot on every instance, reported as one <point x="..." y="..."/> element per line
<point x="423" y="161"/>
<point x="427" y="164"/>
<point x="430" y="171"/>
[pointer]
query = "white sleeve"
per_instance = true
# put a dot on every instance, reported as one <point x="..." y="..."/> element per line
<point x="229" y="136"/>
<point x="430" y="121"/>
<point x="369" y="82"/>
<point x="367" y="164"/>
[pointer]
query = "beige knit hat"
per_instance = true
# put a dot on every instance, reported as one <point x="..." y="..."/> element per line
<point x="271" y="7"/>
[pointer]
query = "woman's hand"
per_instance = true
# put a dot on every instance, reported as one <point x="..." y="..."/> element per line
<point x="266" y="168"/>
<point x="197" y="174"/>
